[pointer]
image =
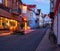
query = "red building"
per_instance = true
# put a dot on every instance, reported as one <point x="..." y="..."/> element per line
<point x="9" y="14"/>
<point x="56" y="21"/>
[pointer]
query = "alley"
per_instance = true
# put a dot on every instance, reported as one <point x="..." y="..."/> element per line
<point x="28" y="42"/>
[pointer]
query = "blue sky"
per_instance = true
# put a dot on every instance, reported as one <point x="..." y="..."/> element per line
<point x="44" y="5"/>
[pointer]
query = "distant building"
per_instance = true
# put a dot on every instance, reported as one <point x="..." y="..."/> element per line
<point x="39" y="17"/>
<point x="31" y="17"/>
<point x="47" y="21"/>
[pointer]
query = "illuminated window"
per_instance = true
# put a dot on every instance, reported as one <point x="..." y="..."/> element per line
<point x="24" y="9"/>
<point x="6" y="2"/>
<point x="13" y="23"/>
<point x="0" y="20"/>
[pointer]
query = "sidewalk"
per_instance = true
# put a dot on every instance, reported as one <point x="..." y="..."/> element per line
<point x="46" y="45"/>
<point x="5" y="32"/>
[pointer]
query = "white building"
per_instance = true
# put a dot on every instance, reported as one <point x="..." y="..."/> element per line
<point x="39" y="17"/>
<point x="40" y="20"/>
<point x="31" y="16"/>
<point x="47" y="20"/>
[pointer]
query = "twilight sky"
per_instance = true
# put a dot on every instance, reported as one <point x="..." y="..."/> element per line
<point x="44" y="5"/>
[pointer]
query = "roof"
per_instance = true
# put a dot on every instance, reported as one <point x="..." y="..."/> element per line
<point x="30" y="6"/>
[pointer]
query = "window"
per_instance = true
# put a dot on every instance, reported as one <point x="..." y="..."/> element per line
<point x="0" y="1"/>
<point x="0" y="20"/>
<point x="13" y="23"/>
<point x="6" y="2"/>
<point x="24" y="9"/>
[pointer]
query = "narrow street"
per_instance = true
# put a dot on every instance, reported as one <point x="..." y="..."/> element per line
<point x="28" y="42"/>
<point x="29" y="25"/>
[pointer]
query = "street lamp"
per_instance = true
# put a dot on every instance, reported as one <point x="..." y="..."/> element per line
<point x="24" y="11"/>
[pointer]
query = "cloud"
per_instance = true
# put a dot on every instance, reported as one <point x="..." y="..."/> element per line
<point x="42" y="1"/>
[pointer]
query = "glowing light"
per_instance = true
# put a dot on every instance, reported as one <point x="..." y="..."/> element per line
<point x="7" y="22"/>
<point x="11" y="24"/>
<point x="29" y="27"/>
<point x="1" y="21"/>
<point x="6" y="2"/>
<point x="15" y="26"/>
<point x="6" y="33"/>
<point x="1" y="26"/>
<point x="25" y="28"/>
<point x="25" y="19"/>
<point x="24" y="9"/>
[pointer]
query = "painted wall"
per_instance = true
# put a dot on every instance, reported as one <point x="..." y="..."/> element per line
<point x="55" y="25"/>
<point x="32" y="19"/>
<point x="59" y="24"/>
<point x="33" y="22"/>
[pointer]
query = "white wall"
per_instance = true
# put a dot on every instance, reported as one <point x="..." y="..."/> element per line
<point x="31" y="18"/>
<point x="59" y="25"/>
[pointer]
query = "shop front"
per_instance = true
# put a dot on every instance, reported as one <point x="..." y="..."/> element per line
<point x="9" y="21"/>
<point x="8" y="24"/>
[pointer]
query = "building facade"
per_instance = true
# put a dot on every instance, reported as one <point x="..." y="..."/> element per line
<point x="56" y="26"/>
<point x="31" y="16"/>
<point x="9" y="14"/>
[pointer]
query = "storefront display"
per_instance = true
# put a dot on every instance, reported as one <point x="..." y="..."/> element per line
<point x="6" y="23"/>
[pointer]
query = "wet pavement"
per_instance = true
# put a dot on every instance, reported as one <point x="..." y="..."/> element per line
<point x="27" y="42"/>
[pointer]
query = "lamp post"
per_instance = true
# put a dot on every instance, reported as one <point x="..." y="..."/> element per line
<point x="24" y="11"/>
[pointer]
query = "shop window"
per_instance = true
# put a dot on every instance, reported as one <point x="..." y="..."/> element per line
<point x="0" y="21"/>
<point x="0" y="18"/>
<point x="12" y="23"/>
